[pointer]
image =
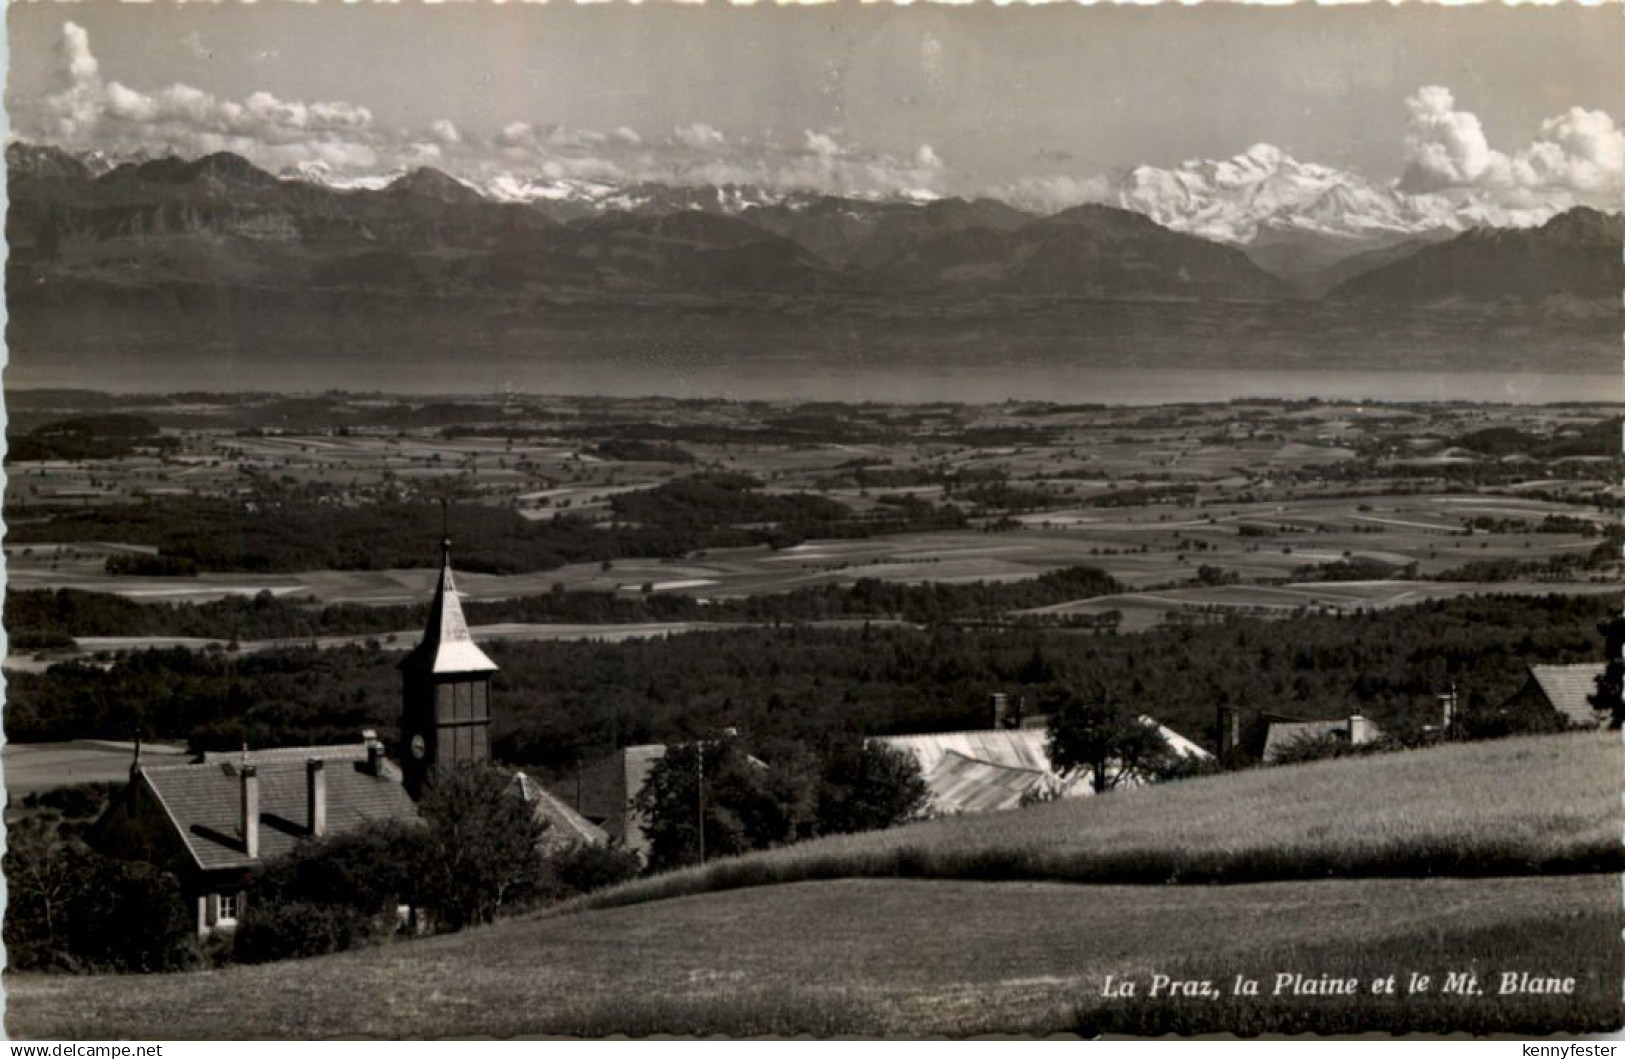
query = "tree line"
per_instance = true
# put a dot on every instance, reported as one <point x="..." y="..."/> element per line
<point x="277" y="534"/>
<point x="560" y="704"/>
<point x="47" y="617"/>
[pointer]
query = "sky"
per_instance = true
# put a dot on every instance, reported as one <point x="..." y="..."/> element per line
<point x="1515" y="101"/>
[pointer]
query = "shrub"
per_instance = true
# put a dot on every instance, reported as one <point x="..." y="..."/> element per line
<point x="69" y="909"/>
<point x="586" y="866"/>
<point x="285" y="930"/>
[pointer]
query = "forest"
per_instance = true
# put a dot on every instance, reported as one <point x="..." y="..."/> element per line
<point x="559" y="703"/>
<point x="294" y="533"/>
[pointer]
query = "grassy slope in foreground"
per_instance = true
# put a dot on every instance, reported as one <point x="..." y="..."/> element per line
<point x="1511" y="807"/>
<point x="903" y="956"/>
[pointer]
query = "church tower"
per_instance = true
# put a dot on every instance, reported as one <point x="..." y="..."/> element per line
<point x="445" y="691"/>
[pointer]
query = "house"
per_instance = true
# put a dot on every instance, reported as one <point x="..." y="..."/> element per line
<point x="965" y="772"/>
<point x="564" y="826"/>
<point x="1566" y="689"/>
<point x="1281" y="733"/>
<point x="995" y="769"/>
<point x="213" y="822"/>
<point x="606" y="789"/>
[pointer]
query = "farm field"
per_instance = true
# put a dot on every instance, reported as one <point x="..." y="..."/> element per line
<point x="1146" y="610"/>
<point x="1140" y="546"/>
<point x="399" y="640"/>
<point x="1265" y="507"/>
<point x="29" y="767"/>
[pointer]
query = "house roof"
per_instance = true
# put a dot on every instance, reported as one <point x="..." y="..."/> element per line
<point x="1022" y="748"/>
<point x="960" y="784"/>
<point x="446" y="646"/>
<point x="984" y="771"/>
<point x="204" y="804"/>
<point x="565" y="825"/>
<point x="1283" y="734"/>
<point x="1568" y="689"/>
<point x="327" y="752"/>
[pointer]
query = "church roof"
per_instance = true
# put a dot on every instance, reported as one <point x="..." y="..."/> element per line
<point x="446" y="646"/>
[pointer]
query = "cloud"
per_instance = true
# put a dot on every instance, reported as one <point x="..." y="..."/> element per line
<point x="1446" y="147"/>
<point x="517" y="134"/>
<point x="87" y="112"/>
<point x="74" y="49"/>
<point x="822" y="144"/>
<point x="1580" y="150"/>
<point x="445" y="132"/>
<point x="1578" y="155"/>
<point x="1051" y="194"/>
<point x="698" y="136"/>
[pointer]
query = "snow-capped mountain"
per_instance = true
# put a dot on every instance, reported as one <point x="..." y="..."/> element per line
<point x="1264" y="192"/>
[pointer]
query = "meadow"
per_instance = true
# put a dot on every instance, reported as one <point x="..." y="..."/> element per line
<point x="904" y="957"/>
<point x="1524" y="806"/>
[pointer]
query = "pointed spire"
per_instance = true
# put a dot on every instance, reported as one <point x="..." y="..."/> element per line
<point x="446" y="646"/>
<point x="135" y="762"/>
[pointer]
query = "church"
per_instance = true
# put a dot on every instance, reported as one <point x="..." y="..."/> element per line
<point x="213" y="822"/>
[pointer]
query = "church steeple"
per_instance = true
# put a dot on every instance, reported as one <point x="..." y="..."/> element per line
<point x="446" y="646"/>
<point x="445" y="690"/>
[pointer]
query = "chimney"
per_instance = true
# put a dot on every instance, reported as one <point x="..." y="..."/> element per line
<point x="1000" y="702"/>
<point x="1229" y="733"/>
<point x="1021" y="712"/>
<point x="375" y="753"/>
<point x="251" y="810"/>
<point x="315" y="797"/>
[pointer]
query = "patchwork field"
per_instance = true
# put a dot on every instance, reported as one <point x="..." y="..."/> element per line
<point x="1140" y="546"/>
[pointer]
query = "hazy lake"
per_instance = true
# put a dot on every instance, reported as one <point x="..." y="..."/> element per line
<point x="1093" y="385"/>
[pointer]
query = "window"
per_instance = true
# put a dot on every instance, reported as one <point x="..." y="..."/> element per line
<point x="228" y="909"/>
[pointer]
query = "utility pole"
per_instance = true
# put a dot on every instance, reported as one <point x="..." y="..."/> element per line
<point x="699" y="767"/>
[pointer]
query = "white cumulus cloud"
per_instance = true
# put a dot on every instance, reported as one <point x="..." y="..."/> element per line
<point x="698" y="136"/>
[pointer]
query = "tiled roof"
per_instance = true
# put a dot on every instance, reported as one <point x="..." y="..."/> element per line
<point x="1568" y="689"/>
<point x="446" y="646"/>
<point x="565" y="825"/>
<point x="330" y="752"/>
<point x="204" y="803"/>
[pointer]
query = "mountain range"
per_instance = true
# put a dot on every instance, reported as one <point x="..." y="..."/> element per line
<point x="1257" y="226"/>
<point x="220" y="258"/>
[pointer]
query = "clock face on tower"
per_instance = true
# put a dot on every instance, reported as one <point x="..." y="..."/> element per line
<point x="419" y="747"/>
